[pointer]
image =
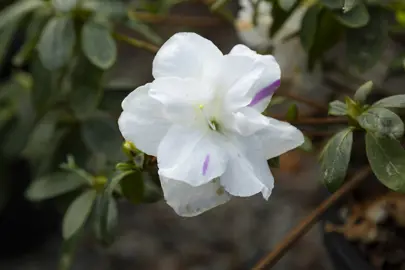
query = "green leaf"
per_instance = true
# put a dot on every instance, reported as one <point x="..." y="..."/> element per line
<point x="292" y="113"/>
<point x="335" y="159"/>
<point x="98" y="45"/>
<point x="382" y="122"/>
<point x="57" y="41"/>
<point x="363" y="92"/>
<point x="392" y="102"/>
<point x="333" y="4"/>
<point x="144" y="30"/>
<point x="286" y="5"/>
<point x="101" y="135"/>
<point x="309" y="25"/>
<point x="17" y="10"/>
<point x="387" y="160"/>
<point x="53" y="185"/>
<point x="365" y="45"/>
<point x="218" y="4"/>
<point x="6" y="37"/>
<point x="132" y="187"/>
<point x="276" y="100"/>
<point x="106" y="219"/>
<point x="349" y="5"/>
<point x="86" y="87"/>
<point x="77" y="213"/>
<point x="353" y="108"/>
<point x="68" y="252"/>
<point x="115" y="181"/>
<point x="337" y="108"/>
<point x="356" y="17"/>
<point x="64" y="5"/>
<point x="279" y="17"/>
<point x="307" y="145"/>
<point x="274" y="162"/>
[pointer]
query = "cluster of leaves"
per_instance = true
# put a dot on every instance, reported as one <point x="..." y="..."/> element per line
<point x="384" y="134"/>
<point x="362" y="24"/>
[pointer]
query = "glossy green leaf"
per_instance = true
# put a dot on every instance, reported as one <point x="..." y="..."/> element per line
<point x="53" y="185"/>
<point x="86" y="87"/>
<point x="17" y="10"/>
<point x="387" y="160"/>
<point x="77" y="213"/>
<point x="101" y="135"/>
<point x="309" y="25"/>
<point x="382" y="122"/>
<point x="365" y="45"/>
<point x="392" y="102"/>
<point x="337" y="108"/>
<point x="132" y="187"/>
<point x="335" y="159"/>
<point x="98" y="45"/>
<point x="286" y="5"/>
<point x="363" y="92"/>
<point x="357" y="17"/>
<point x="57" y="41"/>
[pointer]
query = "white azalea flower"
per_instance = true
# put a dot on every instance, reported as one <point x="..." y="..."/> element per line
<point x="201" y="117"/>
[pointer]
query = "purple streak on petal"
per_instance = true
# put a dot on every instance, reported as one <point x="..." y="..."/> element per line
<point x="205" y="165"/>
<point x="265" y="92"/>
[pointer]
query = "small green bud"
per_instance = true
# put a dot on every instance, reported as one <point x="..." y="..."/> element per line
<point x="99" y="182"/>
<point x="130" y="149"/>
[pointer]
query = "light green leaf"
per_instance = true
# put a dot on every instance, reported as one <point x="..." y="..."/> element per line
<point x="77" y="213"/>
<point x="335" y="159"/>
<point x="337" y="108"/>
<point x="57" y="41"/>
<point x="132" y="187"/>
<point x="64" y="5"/>
<point x="292" y="113"/>
<point x="349" y="5"/>
<point x="309" y="25"/>
<point x="357" y="17"/>
<point x="53" y="185"/>
<point x="98" y="45"/>
<point x="363" y="92"/>
<point x="17" y="10"/>
<point x="286" y="5"/>
<point x="365" y="45"/>
<point x="392" y="102"/>
<point x="387" y="160"/>
<point x="307" y="145"/>
<point x="382" y="122"/>
<point x="101" y="135"/>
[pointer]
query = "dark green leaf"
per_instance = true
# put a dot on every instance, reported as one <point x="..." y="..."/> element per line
<point x="279" y="17"/>
<point x="115" y="181"/>
<point x="98" y="45"/>
<point x="106" y="218"/>
<point x="333" y="4"/>
<point x="337" y="108"/>
<point x="86" y="87"/>
<point x="387" y="160"/>
<point x="101" y="135"/>
<point x="17" y="10"/>
<point x="309" y="25"/>
<point x="53" y="185"/>
<point x="274" y="162"/>
<point x="365" y="45"/>
<point x="6" y="37"/>
<point x="57" y="41"/>
<point x="286" y="5"/>
<point x="356" y="17"/>
<point x="335" y="159"/>
<point x="397" y="101"/>
<point x="292" y="113"/>
<point x="132" y="187"/>
<point x="363" y="92"/>
<point x="77" y="213"/>
<point x="382" y="122"/>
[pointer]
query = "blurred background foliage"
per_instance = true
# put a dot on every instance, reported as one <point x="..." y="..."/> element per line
<point x="59" y="103"/>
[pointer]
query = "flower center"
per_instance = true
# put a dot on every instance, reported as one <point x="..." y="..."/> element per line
<point x="212" y="122"/>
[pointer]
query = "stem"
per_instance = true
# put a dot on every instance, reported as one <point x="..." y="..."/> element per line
<point x="306" y="101"/>
<point x="137" y="43"/>
<point x="273" y="257"/>
<point x="193" y="21"/>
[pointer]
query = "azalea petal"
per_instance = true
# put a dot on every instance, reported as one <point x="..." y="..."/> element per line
<point x="268" y="81"/>
<point x="181" y="99"/>
<point x="246" y="121"/>
<point x="241" y="177"/>
<point x="142" y="121"/>
<point x="279" y="137"/>
<point x="188" y="201"/>
<point x="191" y="155"/>
<point x="186" y="55"/>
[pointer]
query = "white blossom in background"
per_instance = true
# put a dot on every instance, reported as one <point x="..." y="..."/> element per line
<point x="290" y="55"/>
<point x="201" y="117"/>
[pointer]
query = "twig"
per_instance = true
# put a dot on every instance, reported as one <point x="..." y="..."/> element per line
<point x="273" y="257"/>
<point x="137" y="43"/>
<point x="318" y="133"/>
<point x="312" y="120"/>
<point x="193" y="21"/>
<point x="306" y="101"/>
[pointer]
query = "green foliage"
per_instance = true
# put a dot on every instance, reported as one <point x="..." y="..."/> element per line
<point x="337" y="108"/>
<point x="363" y="92"/>
<point x="382" y="122"/>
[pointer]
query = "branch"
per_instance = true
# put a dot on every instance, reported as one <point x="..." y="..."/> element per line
<point x="312" y="120"/>
<point x="193" y="21"/>
<point x="273" y="257"/>
<point x="136" y="42"/>
<point x="306" y="101"/>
